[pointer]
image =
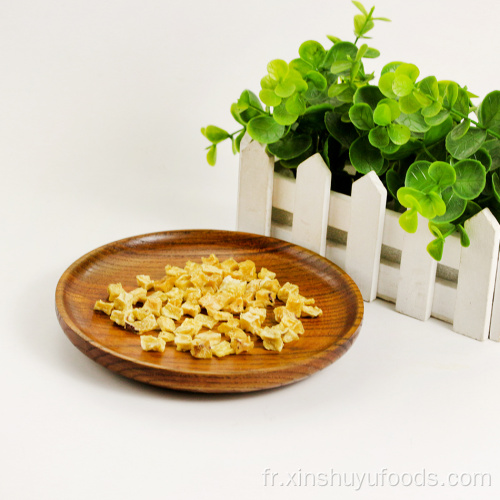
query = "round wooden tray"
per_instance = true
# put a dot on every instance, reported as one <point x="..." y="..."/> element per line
<point x="326" y="338"/>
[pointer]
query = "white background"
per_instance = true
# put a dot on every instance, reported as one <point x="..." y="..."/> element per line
<point x="101" y="105"/>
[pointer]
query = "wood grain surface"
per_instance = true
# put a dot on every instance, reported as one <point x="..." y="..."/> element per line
<point x="325" y="339"/>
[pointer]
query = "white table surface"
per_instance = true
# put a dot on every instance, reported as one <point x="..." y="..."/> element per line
<point x="100" y="109"/>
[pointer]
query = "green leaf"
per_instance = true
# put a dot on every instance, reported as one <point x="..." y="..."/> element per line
<point x="449" y="91"/>
<point x="466" y="145"/>
<point x="435" y="248"/>
<point x="265" y="129"/>
<point x="460" y="130"/>
<point x="432" y="110"/>
<point x="317" y="79"/>
<point x="438" y="132"/>
<point x="285" y="89"/>
<point x="409" y="104"/>
<point x="415" y="122"/>
<point x="236" y="113"/>
<point x="390" y="67"/>
<point x="379" y="137"/>
<point x="409" y="220"/>
<point x="364" y="157"/>
<point x="385" y="85"/>
<point x="441" y="229"/>
<point x="393" y="181"/>
<point x="368" y="94"/>
<point x="301" y="66"/>
<point x="295" y="105"/>
<point x="464" y="237"/>
<point x="283" y="116"/>
<point x="215" y="134"/>
<point x="371" y="53"/>
<point x="429" y="87"/>
<point x="417" y="176"/>
<point x="455" y="206"/>
<point x="489" y="111"/>
<point x="344" y="133"/>
<point x="471" y="179"/>
<point x="312" y="52"/>
<point x="493" y="149"/>
<point x="402" y="85"/>
<point x="277" y="69"/>
<point x="269" y="97"/>
<point x="237" y="141"/>
<point x="484" y="157"/>
<point x="361" y="116"/>
<point x="399" y="134"/>
<point x="359" y="5"/>
<point x="495" y="181"/>
<point x="337" y="88"/>
<point x="442" y="173"/>
<point x="339" y="67"/>
<point x="408" y="70"/>
<point x="290" y="146"/>
<point x="382" y="115"/>
<point x="407" y="196"/>
<point x="439" y="118"/>
<point x="212" y="155"/>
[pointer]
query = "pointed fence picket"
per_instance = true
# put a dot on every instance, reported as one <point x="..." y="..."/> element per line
<point x="360" y="235"/>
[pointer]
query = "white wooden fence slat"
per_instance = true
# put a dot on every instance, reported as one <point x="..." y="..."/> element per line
<point x="495" y="311"/>
<point x="255" y="190"/>
<point x="417" y="274"/>
<point x="364" y="240"/>
<point x="476" y="277"/>
<point x="312" y="199"/>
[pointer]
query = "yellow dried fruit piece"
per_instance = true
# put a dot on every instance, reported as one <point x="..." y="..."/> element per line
<point x="265" y="297"/>
<point x="247" y="270"/>
<point x="219" y="315"/>
<point x="261" y="312"/>
<point x="311" y="311"/>
<point x="294" y="304"/>
<point x="190" y="309"/>
<point x="216" y="301"/>
<point x="210" y="269"/>
<point x="167" y="336"/>
<point x="273" y="344"/>
<point x="213" y="337"/>
<point x="105" y="307"/>
<point x="228" y="266"/>
<point x="147" y="324"/>
<point x="265" y="273"/>
<point x="123" y="302"/>
<point x="192" y="295"/>
<point x="271" y="285"/>
<point x="222" y="349"/>
<point x="171" y="311"/>
<point x="144" y="281"/>
<point x="139" y="295"/>
<point x="166" y="324"/>
<point x="292" y="324"/>
<point x="237" y="306"/>
<point x="236" y="288"/>
<point x="114" y="290"/>
<point x="183" y="342"/>
<point x="205" y="321"/>
<point x="152" y="343"/>
<point x="201" y="349"/>
<point x="188" y="327"/>
<point x="285" y="290"/>
<point x="118" y="317"/>
<point x="250" y="322"/>
<point x="174" y="271"/>
<point x="164" y="285"/>
<point x="211" y="260"/>
<point x="154" y="304"/>
<point x="289" y="336"/>
<point x="175" y="295"/>
<point x="240" y="345"/>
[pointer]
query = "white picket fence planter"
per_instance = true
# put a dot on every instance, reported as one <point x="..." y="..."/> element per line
<point x="360" y="235"/>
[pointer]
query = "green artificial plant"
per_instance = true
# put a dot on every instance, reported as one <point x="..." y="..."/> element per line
<point x="436" y="152"/>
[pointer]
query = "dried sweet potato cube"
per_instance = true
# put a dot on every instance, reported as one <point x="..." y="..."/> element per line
<point x="205" y="320"/>
<point x="240" y="345"/>
<point x="200" y="348"/>
<point x="139" y="295"/>
<point x="166" y="324"/>
<point x="165" y="284"/>
<point x="118" y="317"/>
<point x="105" y="307"/>
<point x="188" y="327"/>
<point x="222" y="349"/>
<point x="265" y="273"/>
<point x="311" y="311"/>
<point x="294" y="304"/>
<point x="219" y="315"/>
<point x="213" y="337"/>
<point x="144" y="281"/>
<point x="152" y="343"/>
<point x="166" y="336"/>
<point x="285" y="290"/>
<point x="114" y="290"/>
<point x="123" y="302"/>
<point x="171" y="311"/>
<point x="154" y="304"/>
<point x="190" y="309"/>
<point x="183" y="342"/>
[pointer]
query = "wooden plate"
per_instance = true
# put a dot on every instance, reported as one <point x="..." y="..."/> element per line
<point x="326" y="338"/>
